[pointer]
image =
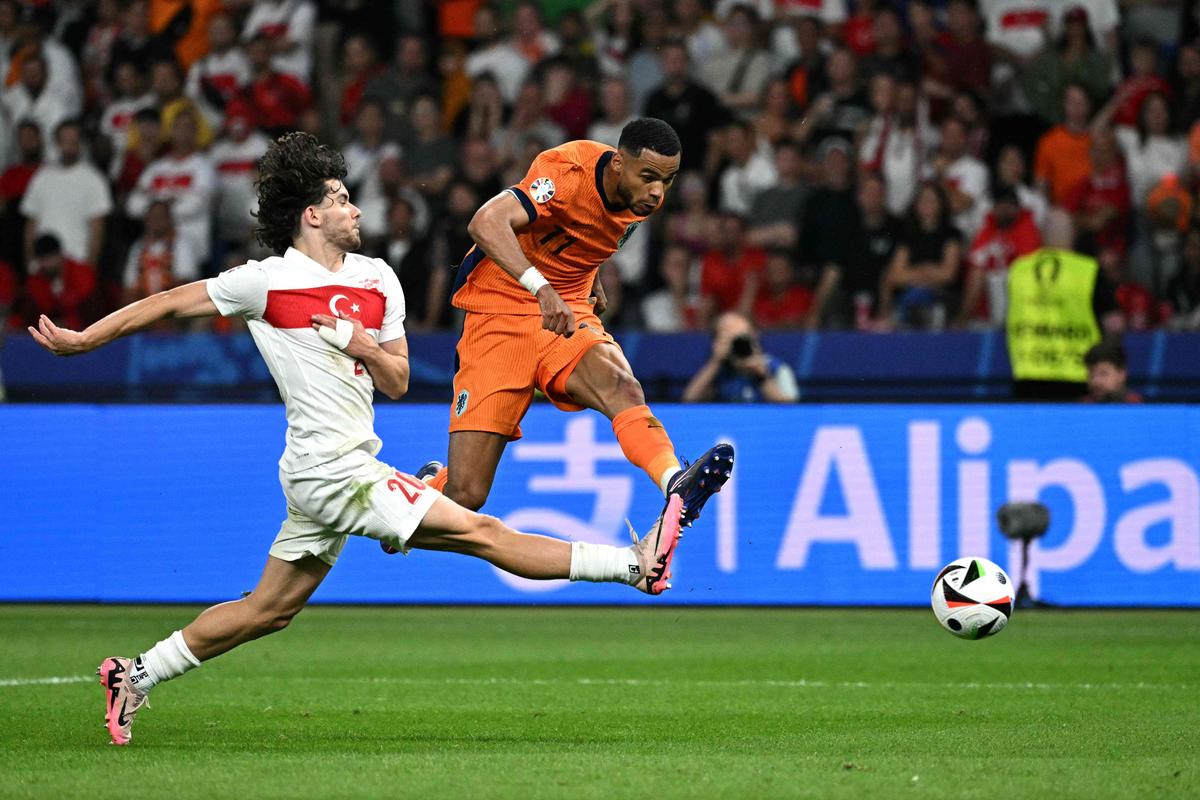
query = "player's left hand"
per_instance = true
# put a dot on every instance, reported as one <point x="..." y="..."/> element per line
<point x="361" y="344"/>
<point x="598" y="298"/>
<point x="60" y="341"/>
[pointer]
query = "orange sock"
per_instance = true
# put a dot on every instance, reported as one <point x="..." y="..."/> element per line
<point x="645" y="443"/>
<point x="439" y="481"/>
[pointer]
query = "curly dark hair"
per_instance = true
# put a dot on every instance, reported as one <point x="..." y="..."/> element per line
<point x="292" y="175"/>
<point x="649" y="133"/>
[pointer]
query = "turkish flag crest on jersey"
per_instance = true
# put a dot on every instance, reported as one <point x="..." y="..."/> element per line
<point x="294" y="308"/>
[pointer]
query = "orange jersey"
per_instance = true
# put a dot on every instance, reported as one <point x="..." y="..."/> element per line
<point x="573" y="229"/>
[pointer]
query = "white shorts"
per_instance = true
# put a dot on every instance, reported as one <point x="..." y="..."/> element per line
<point x="353" y="495"/>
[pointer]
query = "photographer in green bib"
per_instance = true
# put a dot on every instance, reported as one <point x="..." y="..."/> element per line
<point x="1059" y="305"/>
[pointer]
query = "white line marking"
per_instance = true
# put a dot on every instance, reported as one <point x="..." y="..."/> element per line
<point x="775" y="684"/>
<point x="800" y="683"/>
<point x="14" y="682"/>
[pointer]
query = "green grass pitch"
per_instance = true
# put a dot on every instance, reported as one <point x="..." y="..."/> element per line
<point x="604" y="703"/>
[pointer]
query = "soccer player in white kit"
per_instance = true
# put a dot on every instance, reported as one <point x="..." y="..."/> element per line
<point x="330" y="325"/>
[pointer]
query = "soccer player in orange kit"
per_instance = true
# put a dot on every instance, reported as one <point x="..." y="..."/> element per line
<point x="531" y="290"/>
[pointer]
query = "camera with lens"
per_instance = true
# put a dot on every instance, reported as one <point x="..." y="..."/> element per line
<point x="742" y="346"/>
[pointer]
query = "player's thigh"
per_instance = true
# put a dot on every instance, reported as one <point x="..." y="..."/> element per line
<point x="475" y="455"/>
<point x="494" y="380"/>
<point x="285" y="586"/>
<point x="603" y="380"/>
<point x="447" y="526"/>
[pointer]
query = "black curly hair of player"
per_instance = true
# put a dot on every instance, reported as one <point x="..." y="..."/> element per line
<point x="292" y="176"/>
<point x="649" y="133"/>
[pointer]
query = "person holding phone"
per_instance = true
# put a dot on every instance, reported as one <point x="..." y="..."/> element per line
<point x="739" y="371"/>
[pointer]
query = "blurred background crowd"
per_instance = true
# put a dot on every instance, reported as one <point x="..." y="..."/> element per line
<point x="858" y="165"/>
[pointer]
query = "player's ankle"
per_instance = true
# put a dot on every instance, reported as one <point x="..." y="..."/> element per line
<point x="603" y="563"/>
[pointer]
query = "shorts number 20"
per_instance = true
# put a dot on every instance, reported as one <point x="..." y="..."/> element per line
<point x="403" y="482"/>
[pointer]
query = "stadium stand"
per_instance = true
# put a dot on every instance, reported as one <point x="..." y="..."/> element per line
<point x="996" y="110"/>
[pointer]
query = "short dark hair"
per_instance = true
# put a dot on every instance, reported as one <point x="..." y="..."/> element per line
<point x="69" y="122"/>
<point x="649" y="133"/>
<point x="149" y="114"/>
<point x="46" y="245"/>
<point x="1107" y="351"/>
<point x="292" y="175"/>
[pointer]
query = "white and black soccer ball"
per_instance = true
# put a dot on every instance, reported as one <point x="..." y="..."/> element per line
<point x="973" y="598"/>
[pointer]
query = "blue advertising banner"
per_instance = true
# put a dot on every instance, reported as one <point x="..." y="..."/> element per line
<point x="830" y="504"/>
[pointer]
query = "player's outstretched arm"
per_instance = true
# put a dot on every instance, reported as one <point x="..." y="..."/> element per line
<point x="189" y="300"/>
<point x="494" y="229"/>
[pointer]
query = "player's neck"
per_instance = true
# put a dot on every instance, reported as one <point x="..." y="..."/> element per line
<point x="327" y="255"/>
<point x="611" y="181"/>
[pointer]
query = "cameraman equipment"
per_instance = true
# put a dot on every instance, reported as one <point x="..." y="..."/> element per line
<point x="1024" y="522"/>
<point x="742" y="346"/>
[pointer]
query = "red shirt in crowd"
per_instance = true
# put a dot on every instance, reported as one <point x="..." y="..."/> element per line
<point x="965" y="65"/>
<point x="723" y="278"/>
<point x="1133" y="91"/>
<point x="63" y="298"/>
<point x="1139" y="308"/>
<point x="785" y="310"/>
<point x="1108" y="187"/>
<point x="859" y="35"/>
<point x="15" y="180"/>
<point x="996" y="248"/>
<point x="278" y="101"/>
<point x="8" y="291"/>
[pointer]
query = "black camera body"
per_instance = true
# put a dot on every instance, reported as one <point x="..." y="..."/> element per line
<point x="742" y="346"/>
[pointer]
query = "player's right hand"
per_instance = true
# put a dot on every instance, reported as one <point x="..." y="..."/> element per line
<point x="556" y="316"/>
<point x="60" y="341"/>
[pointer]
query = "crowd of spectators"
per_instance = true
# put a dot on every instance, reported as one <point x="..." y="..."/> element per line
<point x="866" y="165"/>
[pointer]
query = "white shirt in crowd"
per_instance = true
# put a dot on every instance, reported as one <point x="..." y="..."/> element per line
<point x="507" y="66"/>
<point x="64" y="200"/>
<point x="608" y="133"/>
<point x="189" y="184"/>
<point x="236" y="198"/>
<point x="1017" y="25"/>
<point x="293" y="20"/>
<point x="227" y="72"/>
<point x="900" y="156"/>
<point x="62" y="76"/>
<point x="174" y="253"/>
<point x="1147" y="162"/>
<point x="116" y="120"/>
<point x="362" y="173"/>
<point x="969" y="176"/>
<point x="740" y="183"/>
<point x="327" y="394"/>
<point x="48" y="109"/>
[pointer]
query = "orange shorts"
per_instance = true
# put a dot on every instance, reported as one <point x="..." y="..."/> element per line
<point x="502" y="358"/>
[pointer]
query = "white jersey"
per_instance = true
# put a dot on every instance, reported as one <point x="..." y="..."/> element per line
<point x="327" y="393"/>
<point x="188" y="184"/>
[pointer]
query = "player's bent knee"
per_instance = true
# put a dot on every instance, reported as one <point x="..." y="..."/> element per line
<point x="469" y="496"/>
<point x="627" y="389"/>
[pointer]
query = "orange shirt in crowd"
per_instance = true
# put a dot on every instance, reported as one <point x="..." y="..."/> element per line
<point x="1063" y="160"/>
<point x="193" y="44"/>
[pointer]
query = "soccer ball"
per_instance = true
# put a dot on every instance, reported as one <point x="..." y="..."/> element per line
<point x="972" y="598"/>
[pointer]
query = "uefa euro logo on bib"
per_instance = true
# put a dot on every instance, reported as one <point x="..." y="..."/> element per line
<point x="542" y="190"/>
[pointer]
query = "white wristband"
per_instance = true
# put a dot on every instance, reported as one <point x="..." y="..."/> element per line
<point x="339" y="337"/>
<point x="533" y="280"/>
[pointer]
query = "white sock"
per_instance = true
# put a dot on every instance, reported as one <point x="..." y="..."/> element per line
<point x="604" y="563"/>
<point x="168" y="659"/>
<point x="665" y="480"/>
